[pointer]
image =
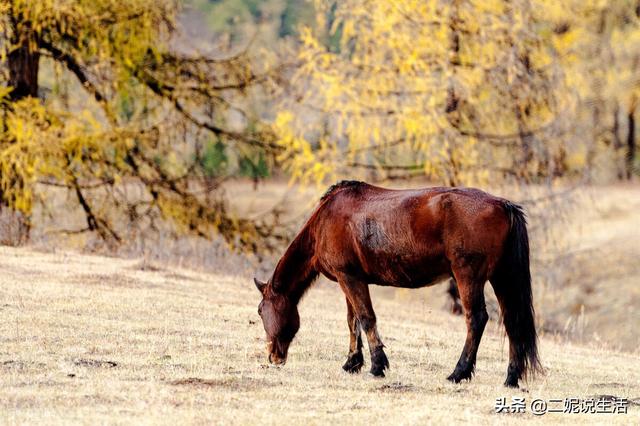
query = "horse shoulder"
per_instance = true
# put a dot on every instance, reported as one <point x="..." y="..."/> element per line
<point x="334" y="234"/>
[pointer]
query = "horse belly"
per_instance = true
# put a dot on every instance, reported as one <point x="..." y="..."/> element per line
<point x="425" y="282"/>
<point x="410" y="275"/>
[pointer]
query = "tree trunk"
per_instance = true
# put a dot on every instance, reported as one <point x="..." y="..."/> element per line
<point x="23" y="60"/>
<point x="526" y="142"/>
<point x="631" y="140"/>
<point x="452" y="107"/>
<point x="617" y="142"/>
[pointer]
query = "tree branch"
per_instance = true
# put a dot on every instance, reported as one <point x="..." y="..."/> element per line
<point x="74" y="66"/>
<point x="156" y="87"/>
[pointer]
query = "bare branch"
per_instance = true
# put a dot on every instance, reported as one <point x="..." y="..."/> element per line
<point x="74" y="66"/>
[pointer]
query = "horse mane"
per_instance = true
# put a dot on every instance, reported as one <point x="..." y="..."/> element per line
<point x="340" y="185"/>
<point x="295" y="271"/>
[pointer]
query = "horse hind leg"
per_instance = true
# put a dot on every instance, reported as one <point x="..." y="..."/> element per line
<point x="471" y="290"/>
<point x="519" y="324"/>
<point x="454" y="296"/>
<point x="355" y="359"/>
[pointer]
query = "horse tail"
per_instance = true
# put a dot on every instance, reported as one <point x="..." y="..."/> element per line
<point x="512" y="285"/>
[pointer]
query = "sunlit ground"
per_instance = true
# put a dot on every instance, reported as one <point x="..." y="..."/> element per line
<point x="89" y="339"/>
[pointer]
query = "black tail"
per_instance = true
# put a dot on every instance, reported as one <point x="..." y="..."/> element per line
<point x="512" y="284"/>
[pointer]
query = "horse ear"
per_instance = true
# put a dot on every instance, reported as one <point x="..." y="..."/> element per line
<point x="259" y="284"/>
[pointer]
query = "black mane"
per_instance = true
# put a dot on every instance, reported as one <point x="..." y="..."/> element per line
<point x="340" y="185"/>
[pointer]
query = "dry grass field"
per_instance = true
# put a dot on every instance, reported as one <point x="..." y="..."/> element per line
<point x="95" y="340"/>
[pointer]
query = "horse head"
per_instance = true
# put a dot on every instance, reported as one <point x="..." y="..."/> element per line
<point x="280" y="320"/>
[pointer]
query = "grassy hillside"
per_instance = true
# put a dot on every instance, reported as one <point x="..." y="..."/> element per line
<point x="88" y="339"/>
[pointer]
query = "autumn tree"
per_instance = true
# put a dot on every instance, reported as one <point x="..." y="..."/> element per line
<point x="599" y="48"/>
<point x="103" y="99"/>
<point x="462" y="92"/>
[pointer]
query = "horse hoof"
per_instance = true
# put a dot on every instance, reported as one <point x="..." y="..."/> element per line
<point x="377" y="373"/>
<point x="379" y="363"/>
<point x="453" y="378"/>
<point x="354" y="363"/>
<point x="457" y="378"/>
<point x="511" y="384"/>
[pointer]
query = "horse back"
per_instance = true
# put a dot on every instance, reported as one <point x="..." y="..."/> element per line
<point x="406" y="238"/>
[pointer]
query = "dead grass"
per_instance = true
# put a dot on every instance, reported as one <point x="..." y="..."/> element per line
<point x="90" y="339"/>
<point x="595" y="296"/>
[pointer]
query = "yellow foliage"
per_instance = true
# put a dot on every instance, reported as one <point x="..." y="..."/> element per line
<point x="462" y="91"/>
<point x="413" y="82"/>
<point x="132" y="120"/>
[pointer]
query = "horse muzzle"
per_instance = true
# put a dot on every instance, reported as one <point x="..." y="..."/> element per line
<point x="277" y="352"/>
<point x="277" y="360"/>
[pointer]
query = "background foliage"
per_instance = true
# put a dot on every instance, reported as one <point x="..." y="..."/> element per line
<point x="466" y="92"/>
<point x="105" y="99"/>
<point x="142" y="111"/>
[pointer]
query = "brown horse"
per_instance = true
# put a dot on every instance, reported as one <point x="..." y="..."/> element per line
<point x="361" y="234"/>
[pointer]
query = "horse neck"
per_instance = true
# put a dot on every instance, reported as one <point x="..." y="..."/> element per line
<point x="295" y="271"/>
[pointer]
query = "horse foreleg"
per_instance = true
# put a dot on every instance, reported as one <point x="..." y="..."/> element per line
<point x="472" y="298"/>
<point x="357" y="294"/>
<point x="355" y="360"/>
